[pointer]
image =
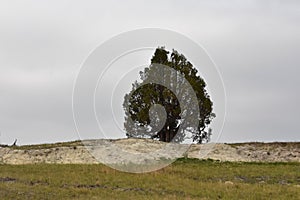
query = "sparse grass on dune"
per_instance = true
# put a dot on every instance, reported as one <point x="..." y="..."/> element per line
<point x="46" y="146"/>
<point x="80" y="143"/>
<point x="184" y="179"/>
<point x="268" y="144"/>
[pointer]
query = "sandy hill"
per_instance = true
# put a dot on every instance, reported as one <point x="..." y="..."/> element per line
<point x="84" y="152"/>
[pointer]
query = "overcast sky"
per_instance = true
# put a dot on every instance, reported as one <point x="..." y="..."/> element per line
<point x="255" y="45"/>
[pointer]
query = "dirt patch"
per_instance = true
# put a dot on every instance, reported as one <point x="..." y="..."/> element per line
<point x="7" y="179"/>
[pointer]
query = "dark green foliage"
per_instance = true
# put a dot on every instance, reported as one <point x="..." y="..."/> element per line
<point x="142" y="122"/>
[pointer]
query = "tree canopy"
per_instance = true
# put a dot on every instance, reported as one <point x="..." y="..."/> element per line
<point x="153" y="110"/>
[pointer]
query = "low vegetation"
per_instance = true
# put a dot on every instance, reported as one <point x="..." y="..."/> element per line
<point x="184" y="179"/>
<point x="270" y="145"/>
<point x="45" y="146"/>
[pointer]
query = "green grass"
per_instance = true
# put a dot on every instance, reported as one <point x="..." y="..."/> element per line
<point x="184" y="179"/>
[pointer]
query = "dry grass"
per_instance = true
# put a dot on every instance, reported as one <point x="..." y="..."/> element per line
<point x="269" y="144"/>
<point x="46" y="146"/>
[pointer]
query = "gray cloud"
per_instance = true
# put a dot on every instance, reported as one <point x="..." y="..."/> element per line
<point x="255" y="45"/>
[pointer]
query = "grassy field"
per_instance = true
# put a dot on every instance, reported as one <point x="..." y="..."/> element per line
<point x="184" y="179"/>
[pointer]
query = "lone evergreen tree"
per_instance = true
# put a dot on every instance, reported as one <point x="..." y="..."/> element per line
<point x="163" y="122"/>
